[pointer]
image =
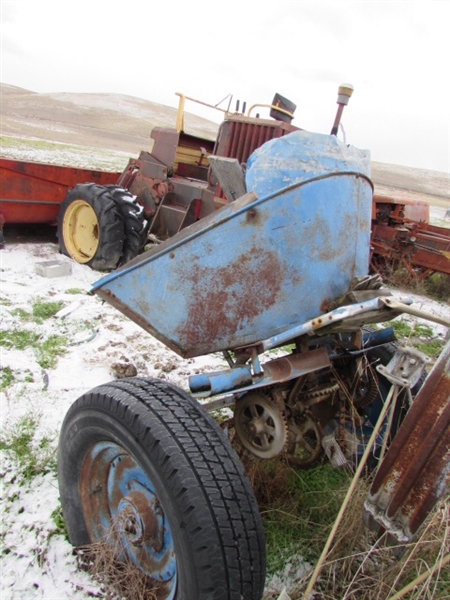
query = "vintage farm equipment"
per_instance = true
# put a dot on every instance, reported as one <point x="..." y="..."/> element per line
<point x="407" y="239"/>
<point x="281" y="269"/>
<point x="105" y="219"/>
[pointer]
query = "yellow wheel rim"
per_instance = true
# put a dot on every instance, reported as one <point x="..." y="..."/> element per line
<point x="80" y="231"/>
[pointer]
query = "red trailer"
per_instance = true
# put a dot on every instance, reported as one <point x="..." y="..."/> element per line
<point x="33" y="192"/>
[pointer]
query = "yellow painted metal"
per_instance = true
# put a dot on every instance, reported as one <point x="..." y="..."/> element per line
<point x="180" y="111"/>
<point x="190" y="156"/>
<point x="271" y="106"/>
<point x="80" y="231"/>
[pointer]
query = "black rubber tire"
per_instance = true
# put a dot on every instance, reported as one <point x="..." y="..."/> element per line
<point x="134" y="222"/>
<point x="110" y="234"/>
<point x="200" y="482"/>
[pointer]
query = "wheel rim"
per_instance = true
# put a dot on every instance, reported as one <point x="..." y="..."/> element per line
<point x="119" y="501"/>
<point x="304" y="446"/>
<point x="81" y="231"/>
<point x="260" y="425"/>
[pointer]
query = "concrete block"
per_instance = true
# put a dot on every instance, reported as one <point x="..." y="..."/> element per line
<point x="53" y="268"/>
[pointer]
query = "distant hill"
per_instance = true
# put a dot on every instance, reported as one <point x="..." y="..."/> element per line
<point x="110" y="121"/>
<point x="121" y="125"/>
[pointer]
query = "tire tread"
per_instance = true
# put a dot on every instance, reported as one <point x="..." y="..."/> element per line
<point x="201" y="468"/>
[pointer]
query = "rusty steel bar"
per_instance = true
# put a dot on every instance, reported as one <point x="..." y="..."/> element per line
<point x="416" y="470"/>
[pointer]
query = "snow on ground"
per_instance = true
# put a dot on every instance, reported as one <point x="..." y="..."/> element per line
<point x="37" y="562"/>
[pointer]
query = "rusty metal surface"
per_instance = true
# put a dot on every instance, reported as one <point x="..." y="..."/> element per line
<point x="32" y="192"/>
<point x="414" y="244"/>
<point x="119" y="503"/>
<point x="275" y="371"/>
<point x="245" y="273"/>
<point x="240" y="136"/>
<point x="416" y="470"/>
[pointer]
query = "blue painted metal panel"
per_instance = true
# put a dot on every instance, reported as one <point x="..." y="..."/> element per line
<point x="301" y="156"/>
<point x="256" y="267"/>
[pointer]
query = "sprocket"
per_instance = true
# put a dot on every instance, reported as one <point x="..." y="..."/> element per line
<point x="260" y="425"/>
<point x="304" y="443"/>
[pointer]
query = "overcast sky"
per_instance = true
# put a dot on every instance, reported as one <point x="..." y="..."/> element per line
<point x="396" y="54"/>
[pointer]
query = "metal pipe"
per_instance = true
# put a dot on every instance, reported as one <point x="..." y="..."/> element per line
<point x="338" y="314"/>
<point x="281" y="110"/>
<point x="344" y="94"/>
<point x="275" y="371"/>
<point x="209" y="384"/>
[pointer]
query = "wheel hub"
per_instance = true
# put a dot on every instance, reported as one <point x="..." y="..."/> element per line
<point x="139" y="520"/>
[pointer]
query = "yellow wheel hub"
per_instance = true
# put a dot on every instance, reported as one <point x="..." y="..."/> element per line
<point x="80" y="231"/>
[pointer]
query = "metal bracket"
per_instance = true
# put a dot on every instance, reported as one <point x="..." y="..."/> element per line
<point x="405" y="368"/>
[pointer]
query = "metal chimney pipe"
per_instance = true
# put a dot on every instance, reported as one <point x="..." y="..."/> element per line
<point x="344" y="94"/>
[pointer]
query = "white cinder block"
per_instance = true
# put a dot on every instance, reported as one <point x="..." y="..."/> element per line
<point x="53" y="268"/>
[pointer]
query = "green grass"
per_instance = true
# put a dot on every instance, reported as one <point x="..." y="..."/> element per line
<point x="109" y="160"/>
<point x="19" y="339"/>
<point x="298" y="508"/>
<point x="33" y="456"/>
<point x="47" y="350"/>
<point x="75" y="291"/>
<point x="45" y="310"/>
<point x="58" y="520"/>
<point x="431" y="349"/>
<point x="9" y="377"/>
<point x="6" y="377"/>
<point x="438" y="286"/>
<point x="40" y="311"/>
<point x="50" y="350"/>
<point x="404" y="329"/>
<point x="419" y="336"/>
<point x="31" y="144"/>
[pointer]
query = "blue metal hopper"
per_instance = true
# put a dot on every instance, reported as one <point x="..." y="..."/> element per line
<point x="262" y="264"/>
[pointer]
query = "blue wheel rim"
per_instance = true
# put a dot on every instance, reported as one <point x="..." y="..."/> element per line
<point x="120" y="501"/>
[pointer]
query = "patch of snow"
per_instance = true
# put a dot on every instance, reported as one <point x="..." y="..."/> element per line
<point x="59" y="153"/>
<point x="286" y="580"/>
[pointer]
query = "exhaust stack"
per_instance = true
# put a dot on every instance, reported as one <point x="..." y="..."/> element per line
<point x="344" y="94"/>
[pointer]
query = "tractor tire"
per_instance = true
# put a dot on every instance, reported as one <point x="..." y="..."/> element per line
<point x="134" y="223"/>
<point x="90" y="227"/>
<point x="142" y="454"/>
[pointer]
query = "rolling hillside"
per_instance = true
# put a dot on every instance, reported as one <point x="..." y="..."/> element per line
<point x="104" y="130"/>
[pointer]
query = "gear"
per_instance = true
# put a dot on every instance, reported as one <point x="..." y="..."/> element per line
<point x="320" y="392"/>
<point x="304" y="444"/>
<point x="365" y="387"/>
<point x="260" y="425"/>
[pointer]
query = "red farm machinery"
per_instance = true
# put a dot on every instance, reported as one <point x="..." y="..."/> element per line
<point x="105" y="219"/>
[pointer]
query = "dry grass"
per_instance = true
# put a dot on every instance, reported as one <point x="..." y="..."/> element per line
<point x="362" y="566"/>
<point x="436" y="285"/>
<point x="118" y="577"/>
